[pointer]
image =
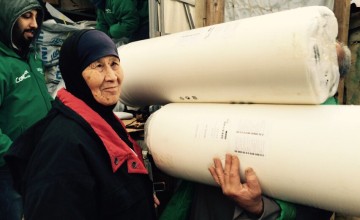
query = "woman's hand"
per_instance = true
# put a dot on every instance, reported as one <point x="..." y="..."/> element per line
<point x="246" y="194"/>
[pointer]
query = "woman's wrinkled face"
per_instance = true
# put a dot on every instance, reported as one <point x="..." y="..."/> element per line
<point x="104" y="78"/>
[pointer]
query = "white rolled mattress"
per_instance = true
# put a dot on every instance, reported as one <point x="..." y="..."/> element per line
<point x="286" y="57"/>
<point x="306" y="154"/>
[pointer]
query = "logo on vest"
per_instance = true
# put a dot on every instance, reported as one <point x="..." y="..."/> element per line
<point x="22" y="77"/>
<point x="40" y="70"/>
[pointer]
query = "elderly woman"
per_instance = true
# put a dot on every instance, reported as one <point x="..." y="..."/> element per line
<point x="79" y="162"/>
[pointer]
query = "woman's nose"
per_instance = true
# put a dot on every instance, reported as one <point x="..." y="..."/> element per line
<point x="110" y="74"/>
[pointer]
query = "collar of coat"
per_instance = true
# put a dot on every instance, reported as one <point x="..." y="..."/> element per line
<point x="117" y="149"/>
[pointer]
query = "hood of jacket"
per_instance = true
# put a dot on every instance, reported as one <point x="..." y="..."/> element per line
<point x="100" y="4"/>
<point x="11" y="11"/>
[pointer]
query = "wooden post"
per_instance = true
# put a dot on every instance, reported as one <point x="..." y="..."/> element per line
<point x="200" y="13"/>
<point x="209" y="12"/>
<point x="342" y="13"/>
<point x="214" y="12"/>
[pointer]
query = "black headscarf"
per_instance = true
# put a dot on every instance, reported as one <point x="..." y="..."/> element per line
<point x="78" y="51"/>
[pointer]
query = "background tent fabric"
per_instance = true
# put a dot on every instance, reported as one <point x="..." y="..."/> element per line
<point x="239" y="9"/>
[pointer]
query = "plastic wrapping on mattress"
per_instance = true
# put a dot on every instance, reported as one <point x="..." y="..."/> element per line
<point x="286" y="57"/>
<point x="306" y="154"/>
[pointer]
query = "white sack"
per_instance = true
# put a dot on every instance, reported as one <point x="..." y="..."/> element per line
<point x="51" y="37"/>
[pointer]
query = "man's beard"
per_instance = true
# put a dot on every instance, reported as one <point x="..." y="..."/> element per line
<point x="20" y="41"/>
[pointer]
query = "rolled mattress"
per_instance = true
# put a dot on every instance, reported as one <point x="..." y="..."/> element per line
<point x="306" y="154"/>
<point x="285" y="57"/>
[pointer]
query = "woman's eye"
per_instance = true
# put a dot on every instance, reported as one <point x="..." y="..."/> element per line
<point x="98" y="66"/>
<point x="114" y="64"/>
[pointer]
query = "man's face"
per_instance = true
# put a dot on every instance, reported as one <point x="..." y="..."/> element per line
<point x="25" y="29"/>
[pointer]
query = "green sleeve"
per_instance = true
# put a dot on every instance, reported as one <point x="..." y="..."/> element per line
<point x="330" y="101"/>
<point x="5" y="140"/>
<point x="101" y="23"/>
<point x="180" y="203"/>
<point x="5" y="143"/>
<point x="288" y="210"/>
<point x="128" y="19"/>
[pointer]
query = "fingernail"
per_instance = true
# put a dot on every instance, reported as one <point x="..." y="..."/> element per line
<point x="248" y="170"/>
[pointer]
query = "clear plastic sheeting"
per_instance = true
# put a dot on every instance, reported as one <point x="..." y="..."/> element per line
<point x="305" y="154"/>
<point x="238" y="9"/>
<point x="287" y="57"/>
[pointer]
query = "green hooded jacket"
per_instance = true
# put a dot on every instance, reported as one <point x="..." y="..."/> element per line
<point x="121" y="18"/>
<point x="23" y="94"/>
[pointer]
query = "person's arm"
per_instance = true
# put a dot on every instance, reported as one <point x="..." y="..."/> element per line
<point x="271" y="211"/>
<point x="58" y="183"/>
<point x="101" y="24"/>
<point x="61" y="198"/>
<point x="251" y="204"/>
<point x="246" y="195"/>
<point x="5" y="140"/>
<point x="127" y="17"/>
<point x="5" y="143"/>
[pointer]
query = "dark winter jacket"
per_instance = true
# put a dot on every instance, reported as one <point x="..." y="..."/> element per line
<point x="123" y="18"/>
<point x="23" y="94"/>
<point x="71" y="165"/>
